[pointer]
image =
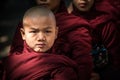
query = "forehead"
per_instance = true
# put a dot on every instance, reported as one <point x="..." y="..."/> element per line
<point x="41" y="21"/>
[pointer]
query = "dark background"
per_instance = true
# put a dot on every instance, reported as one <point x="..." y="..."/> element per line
<point x="11" y="12"/>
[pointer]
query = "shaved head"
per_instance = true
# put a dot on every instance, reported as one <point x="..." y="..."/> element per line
<point x="38" y="12"/>
<point x="39" y="28"/>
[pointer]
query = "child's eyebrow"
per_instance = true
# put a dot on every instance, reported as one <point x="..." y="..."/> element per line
<point x="49" y="27"/>
<point x="34" y="28"/>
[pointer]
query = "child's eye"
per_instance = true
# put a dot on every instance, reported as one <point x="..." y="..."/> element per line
<point x="48" y="31"/>
<point x="33" y="32"/>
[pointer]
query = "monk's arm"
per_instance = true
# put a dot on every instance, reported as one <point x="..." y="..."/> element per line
<point x="80" y="41"/>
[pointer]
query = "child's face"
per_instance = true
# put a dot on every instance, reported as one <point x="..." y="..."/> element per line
<point x="83" y="5"/>
<point x="39" y="33"/>
<point x="51" y="4"/>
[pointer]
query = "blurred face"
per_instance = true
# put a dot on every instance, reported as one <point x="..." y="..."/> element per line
<point x="39" y="33"/>
<point x="51" y="4"/>
<point x="83" y="5"/>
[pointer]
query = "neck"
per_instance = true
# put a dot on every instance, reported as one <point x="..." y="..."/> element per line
<point x="70" y="8"/>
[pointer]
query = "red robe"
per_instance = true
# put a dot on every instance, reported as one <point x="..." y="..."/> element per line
<point x="74" y="41"/>
<point x="30" y="65"/>
<point x="116" y="5"/>
<point x="104" y="31"/>
<point x="17" y="43"/>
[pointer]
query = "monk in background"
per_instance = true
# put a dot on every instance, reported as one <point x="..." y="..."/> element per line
<point x="105" y="36"/>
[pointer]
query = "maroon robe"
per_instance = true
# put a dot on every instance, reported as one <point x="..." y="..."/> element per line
<point x="116" y="5"/>
<point x="104" y="31"/>
<point x="30" y="65"/>
<point x="74" y="41"/>
<point x="17" y="43"/>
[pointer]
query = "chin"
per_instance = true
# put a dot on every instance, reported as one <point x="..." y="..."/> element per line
<point x="84" y="10"/>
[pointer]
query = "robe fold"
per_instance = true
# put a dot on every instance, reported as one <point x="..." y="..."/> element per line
<point x="17" y="43"/>
<point x="74" y="41"/>
<point x="116" y="5"/>
<point x="30" y="65"/>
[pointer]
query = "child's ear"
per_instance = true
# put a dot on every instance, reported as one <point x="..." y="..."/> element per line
<point x="22" y="33"/>
<point x="56" y="32"/>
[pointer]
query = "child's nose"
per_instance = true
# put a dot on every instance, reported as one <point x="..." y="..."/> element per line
<point x="41" y="37"/>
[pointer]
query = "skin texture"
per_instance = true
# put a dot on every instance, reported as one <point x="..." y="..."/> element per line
<point x="50" y="4"/>
<point x="39" y="31"/>
<point x="83" y="5"/>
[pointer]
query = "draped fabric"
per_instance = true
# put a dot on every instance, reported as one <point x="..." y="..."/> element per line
<point x="116" y="5"/>
<point x="30" y="65"/>
<point x="104" y="31"/>
<point x="74" y="41"/>
<point x="17" y="43"/>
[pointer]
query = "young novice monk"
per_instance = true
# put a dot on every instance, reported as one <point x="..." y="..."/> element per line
<point x="73" y="38"/>
<point x="35" y="62"/>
